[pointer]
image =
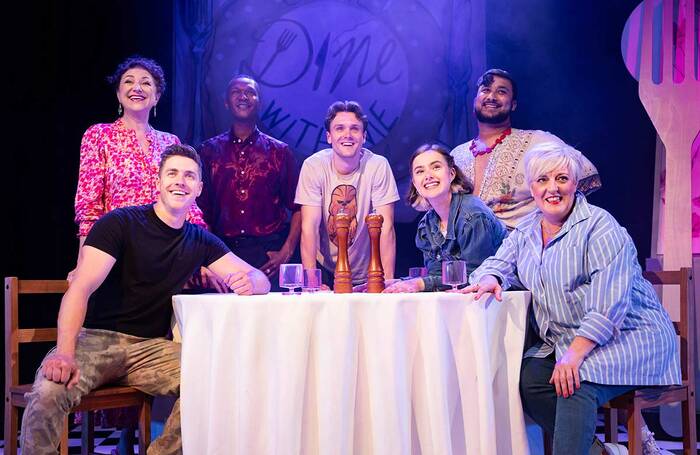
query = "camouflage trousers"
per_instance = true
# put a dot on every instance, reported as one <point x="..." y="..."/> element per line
<point x="105" y="357"/>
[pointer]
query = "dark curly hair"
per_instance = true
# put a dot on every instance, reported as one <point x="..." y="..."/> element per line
<point x="136" y="61"/>
<point x="486" y="79"/>
<point x="460" y="184"/>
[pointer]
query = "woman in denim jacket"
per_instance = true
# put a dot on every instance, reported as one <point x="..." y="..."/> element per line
<point x="457" y="225"/>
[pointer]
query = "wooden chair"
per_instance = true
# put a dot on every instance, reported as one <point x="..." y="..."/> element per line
<point x="101" y="398"/>
<point x="634" y="402"/>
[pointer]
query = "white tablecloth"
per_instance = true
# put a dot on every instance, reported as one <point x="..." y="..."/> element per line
<point x="389" y="374"/>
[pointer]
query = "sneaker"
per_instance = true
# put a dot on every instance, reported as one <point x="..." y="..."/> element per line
<point x="598" y="448"/>
<point x="614" y="449"/>
<point x="649" y="446"/>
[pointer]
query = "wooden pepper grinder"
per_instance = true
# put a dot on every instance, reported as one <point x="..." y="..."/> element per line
<point x="375" y="271"/>
<point x="342" y="278"/>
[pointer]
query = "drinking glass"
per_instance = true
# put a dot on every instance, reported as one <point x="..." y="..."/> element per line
<point x="454" y="273"/>
<point x="417" y="272"/>
<point x="312" y="280"/>
<point x="291" y="277"/>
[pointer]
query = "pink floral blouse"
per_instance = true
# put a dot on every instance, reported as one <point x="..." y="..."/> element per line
<point x="115" y="172"/>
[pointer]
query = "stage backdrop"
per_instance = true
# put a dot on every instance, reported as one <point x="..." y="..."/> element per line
<point x="631" y="50"/>
<point x="412" y="65"/>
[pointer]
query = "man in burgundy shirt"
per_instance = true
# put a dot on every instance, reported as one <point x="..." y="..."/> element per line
<point x="249" y="183"/>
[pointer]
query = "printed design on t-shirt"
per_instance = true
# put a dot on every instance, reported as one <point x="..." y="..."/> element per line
<point x="343" y="197"/>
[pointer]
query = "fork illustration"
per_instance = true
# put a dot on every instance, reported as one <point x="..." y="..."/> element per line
<point x="285" y="40"/>
<point x="674" y="109"/>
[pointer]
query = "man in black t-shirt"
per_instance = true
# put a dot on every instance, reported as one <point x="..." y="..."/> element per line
<point x="116" y="313"/>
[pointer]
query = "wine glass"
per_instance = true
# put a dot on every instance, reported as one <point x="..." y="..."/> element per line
<point x="454" y="273"/>
<point x="417" y="272"/>
<point x="291" y="277"/>
<point x="312" y="280"/>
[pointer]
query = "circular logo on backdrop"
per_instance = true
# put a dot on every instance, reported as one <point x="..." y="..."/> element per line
<point x="308" y="54"/>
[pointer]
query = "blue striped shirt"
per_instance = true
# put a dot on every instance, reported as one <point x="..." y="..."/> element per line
<point x="587" y="282"/>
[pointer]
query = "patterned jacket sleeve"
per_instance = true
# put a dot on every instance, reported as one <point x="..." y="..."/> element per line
<point x="89" y="197"/>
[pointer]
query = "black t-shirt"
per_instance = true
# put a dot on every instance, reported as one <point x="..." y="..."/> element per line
<point x="153" y="262"/>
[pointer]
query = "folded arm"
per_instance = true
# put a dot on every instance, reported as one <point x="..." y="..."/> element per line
<point x="239" y="276"/>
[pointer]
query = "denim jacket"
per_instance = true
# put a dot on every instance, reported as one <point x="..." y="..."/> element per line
<point x="473" y="234"/>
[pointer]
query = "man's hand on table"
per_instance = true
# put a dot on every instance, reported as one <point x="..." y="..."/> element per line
<point x="206" y="279"/>
<point x="240" y="283"/>
<point x="210" y="280"/>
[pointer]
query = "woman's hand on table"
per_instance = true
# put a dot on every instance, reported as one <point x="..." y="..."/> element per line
<point x="487" y="285"/>
<point x="396" y="286"/>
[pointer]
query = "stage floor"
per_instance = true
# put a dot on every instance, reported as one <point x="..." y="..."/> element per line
<point x="106" y="440"/>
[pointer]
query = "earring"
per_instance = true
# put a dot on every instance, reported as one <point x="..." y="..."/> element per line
<point x="120" y="110"/>
<point x="154" y="111"/>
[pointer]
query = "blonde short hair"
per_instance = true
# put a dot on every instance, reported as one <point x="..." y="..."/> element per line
<point x="547" y="156"/>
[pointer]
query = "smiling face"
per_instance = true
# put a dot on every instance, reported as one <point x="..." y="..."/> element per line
<point x="243" y="99"/>
<point x="494" y="103"/>
<point x="137" y="90"/>
<point x="179" y="183"/>
<point x="346" y="135"/>
<point x="554" y="193"/>
<point x="431" y="176"/>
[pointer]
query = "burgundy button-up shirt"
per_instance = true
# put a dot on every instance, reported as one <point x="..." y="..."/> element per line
<point x="248" y="184"/>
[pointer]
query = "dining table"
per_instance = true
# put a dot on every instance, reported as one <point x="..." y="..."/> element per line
<point x="358" y="373"/>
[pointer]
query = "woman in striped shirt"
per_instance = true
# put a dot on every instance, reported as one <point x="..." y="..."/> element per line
<point x="603" y="330"/>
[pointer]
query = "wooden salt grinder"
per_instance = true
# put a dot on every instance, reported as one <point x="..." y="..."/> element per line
<point x="375" y="271"/>
<point x="342" y="278"/>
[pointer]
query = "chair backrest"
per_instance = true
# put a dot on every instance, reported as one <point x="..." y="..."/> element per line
<point x="685" y="326"/>
<point x="15" y="287"/>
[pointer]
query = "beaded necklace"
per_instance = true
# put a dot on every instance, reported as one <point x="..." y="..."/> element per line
<point x="487" y="150"/>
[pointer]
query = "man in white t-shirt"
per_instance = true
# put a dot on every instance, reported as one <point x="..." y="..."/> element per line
<point x="351" y="178"/>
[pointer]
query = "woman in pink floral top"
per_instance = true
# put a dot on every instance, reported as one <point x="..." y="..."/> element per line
<point x="119" y="161"/>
